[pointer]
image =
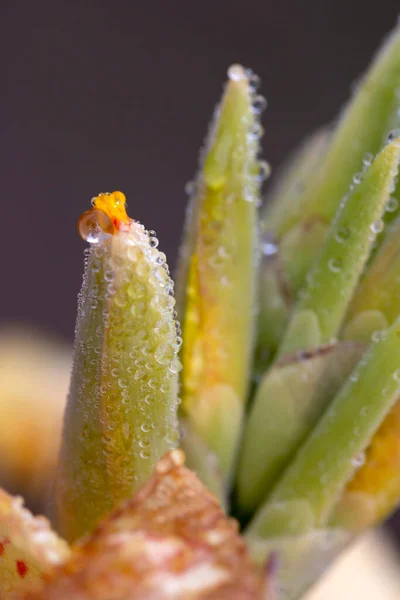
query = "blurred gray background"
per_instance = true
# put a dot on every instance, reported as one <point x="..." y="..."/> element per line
<point x="101" y="95"/>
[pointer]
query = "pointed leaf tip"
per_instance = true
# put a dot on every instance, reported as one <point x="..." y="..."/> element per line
<point x="218" y="270"/>
<point x="121" y="414"/>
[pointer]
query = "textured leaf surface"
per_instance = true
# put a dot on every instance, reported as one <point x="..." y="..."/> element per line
<point x="329" y="457"/>
<point x="335" y="274"/>
<point x="218" y="270"/>
<point x="291" y="397"/>
<point x="121" y="412"/>
<point x="170" y="541"/>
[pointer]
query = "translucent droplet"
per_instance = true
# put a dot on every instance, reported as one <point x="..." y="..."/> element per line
<point x="256" y="130"/>
<point x="392" y="204"/>
<point x="264" y="170"/>
<point x="269" y="247"/>
<point x="334" y="265"/>
<point x="254" y="82"/>
<point x="358" y="460"/>
<point x="368" y="158"/>
<point x="377" y="226"/>
<point x="395" y="133"/>
<point x="342" y="235"/>
<point x="259" y="103"/>
<point x="376" y="336"/>
<point x="236" y="72"/>
<point x="357" y="178"/>
<point x="94" y="226"/>
<point x="175" y="366"/>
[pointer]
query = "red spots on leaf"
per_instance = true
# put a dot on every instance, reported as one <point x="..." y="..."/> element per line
<point x="22" y="569"/>
<point x="3" y="545"/>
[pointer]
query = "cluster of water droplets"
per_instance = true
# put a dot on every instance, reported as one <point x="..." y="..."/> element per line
<point x="126" y="354"/>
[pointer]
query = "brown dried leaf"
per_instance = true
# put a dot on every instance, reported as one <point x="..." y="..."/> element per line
<point x="28" y="547"/>
<point x="170" y="541"/>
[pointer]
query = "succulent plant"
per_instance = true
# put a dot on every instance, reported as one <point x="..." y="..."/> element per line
<point x="282" y="388"/>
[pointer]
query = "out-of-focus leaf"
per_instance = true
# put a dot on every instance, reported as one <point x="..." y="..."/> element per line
<point x="374" y="491"/>
<point x="121" y="413"/>
<point x="218" y="271"/>
<point x="34" y="377"/>
<point x="363" y="126"/>
<point x="283" y="271"/>
<point x="203" y="462"/>
<point x="288" y="402"/>
<point x="379" y="290"/>
<point x="334" y="277"/>
<point x="295" y="562"/>
<point x="329" y="457"/>
<point x="28" y="547"/>
<point x="293" y="180"/>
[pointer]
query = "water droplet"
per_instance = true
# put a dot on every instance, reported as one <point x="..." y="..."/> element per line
<point x="334" y="265"/>
<point x="392" y="205"/>
<point x="377" y="226"/>
<point x="264" y="170"/>
<point x="358" y="460"/>
<point x="269" y="247"/>
<point x="94" y="226"/>
<point x="368" y="158"/>
<point x="175" y="366"/>
<point x="134" y="253"/>
<point x="376" y="336"/>
<point x="259" y="103"/>
<point x="395" y="133"/>
<point x="342" y="235"/>
<point x="396" y="375"/>
<point x="254" y="82"/>
<point x="255" y="130"/>
<point x="236" y="72"/>
<point x="357" y="178"/>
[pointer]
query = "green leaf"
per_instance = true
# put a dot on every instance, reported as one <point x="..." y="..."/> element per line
<point x="365" y="123"/>
<point x="121" y="413"/>
<point x="297" y="561"/>
<point x="329" y="456"/>
<point x="203" y="462"/>
<point x="334" y="277"/>
<point x="218" y="272"/>
<point x="379" y="290"/>
<point x="293" y="180"/>
<point x="290" y="399"/>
